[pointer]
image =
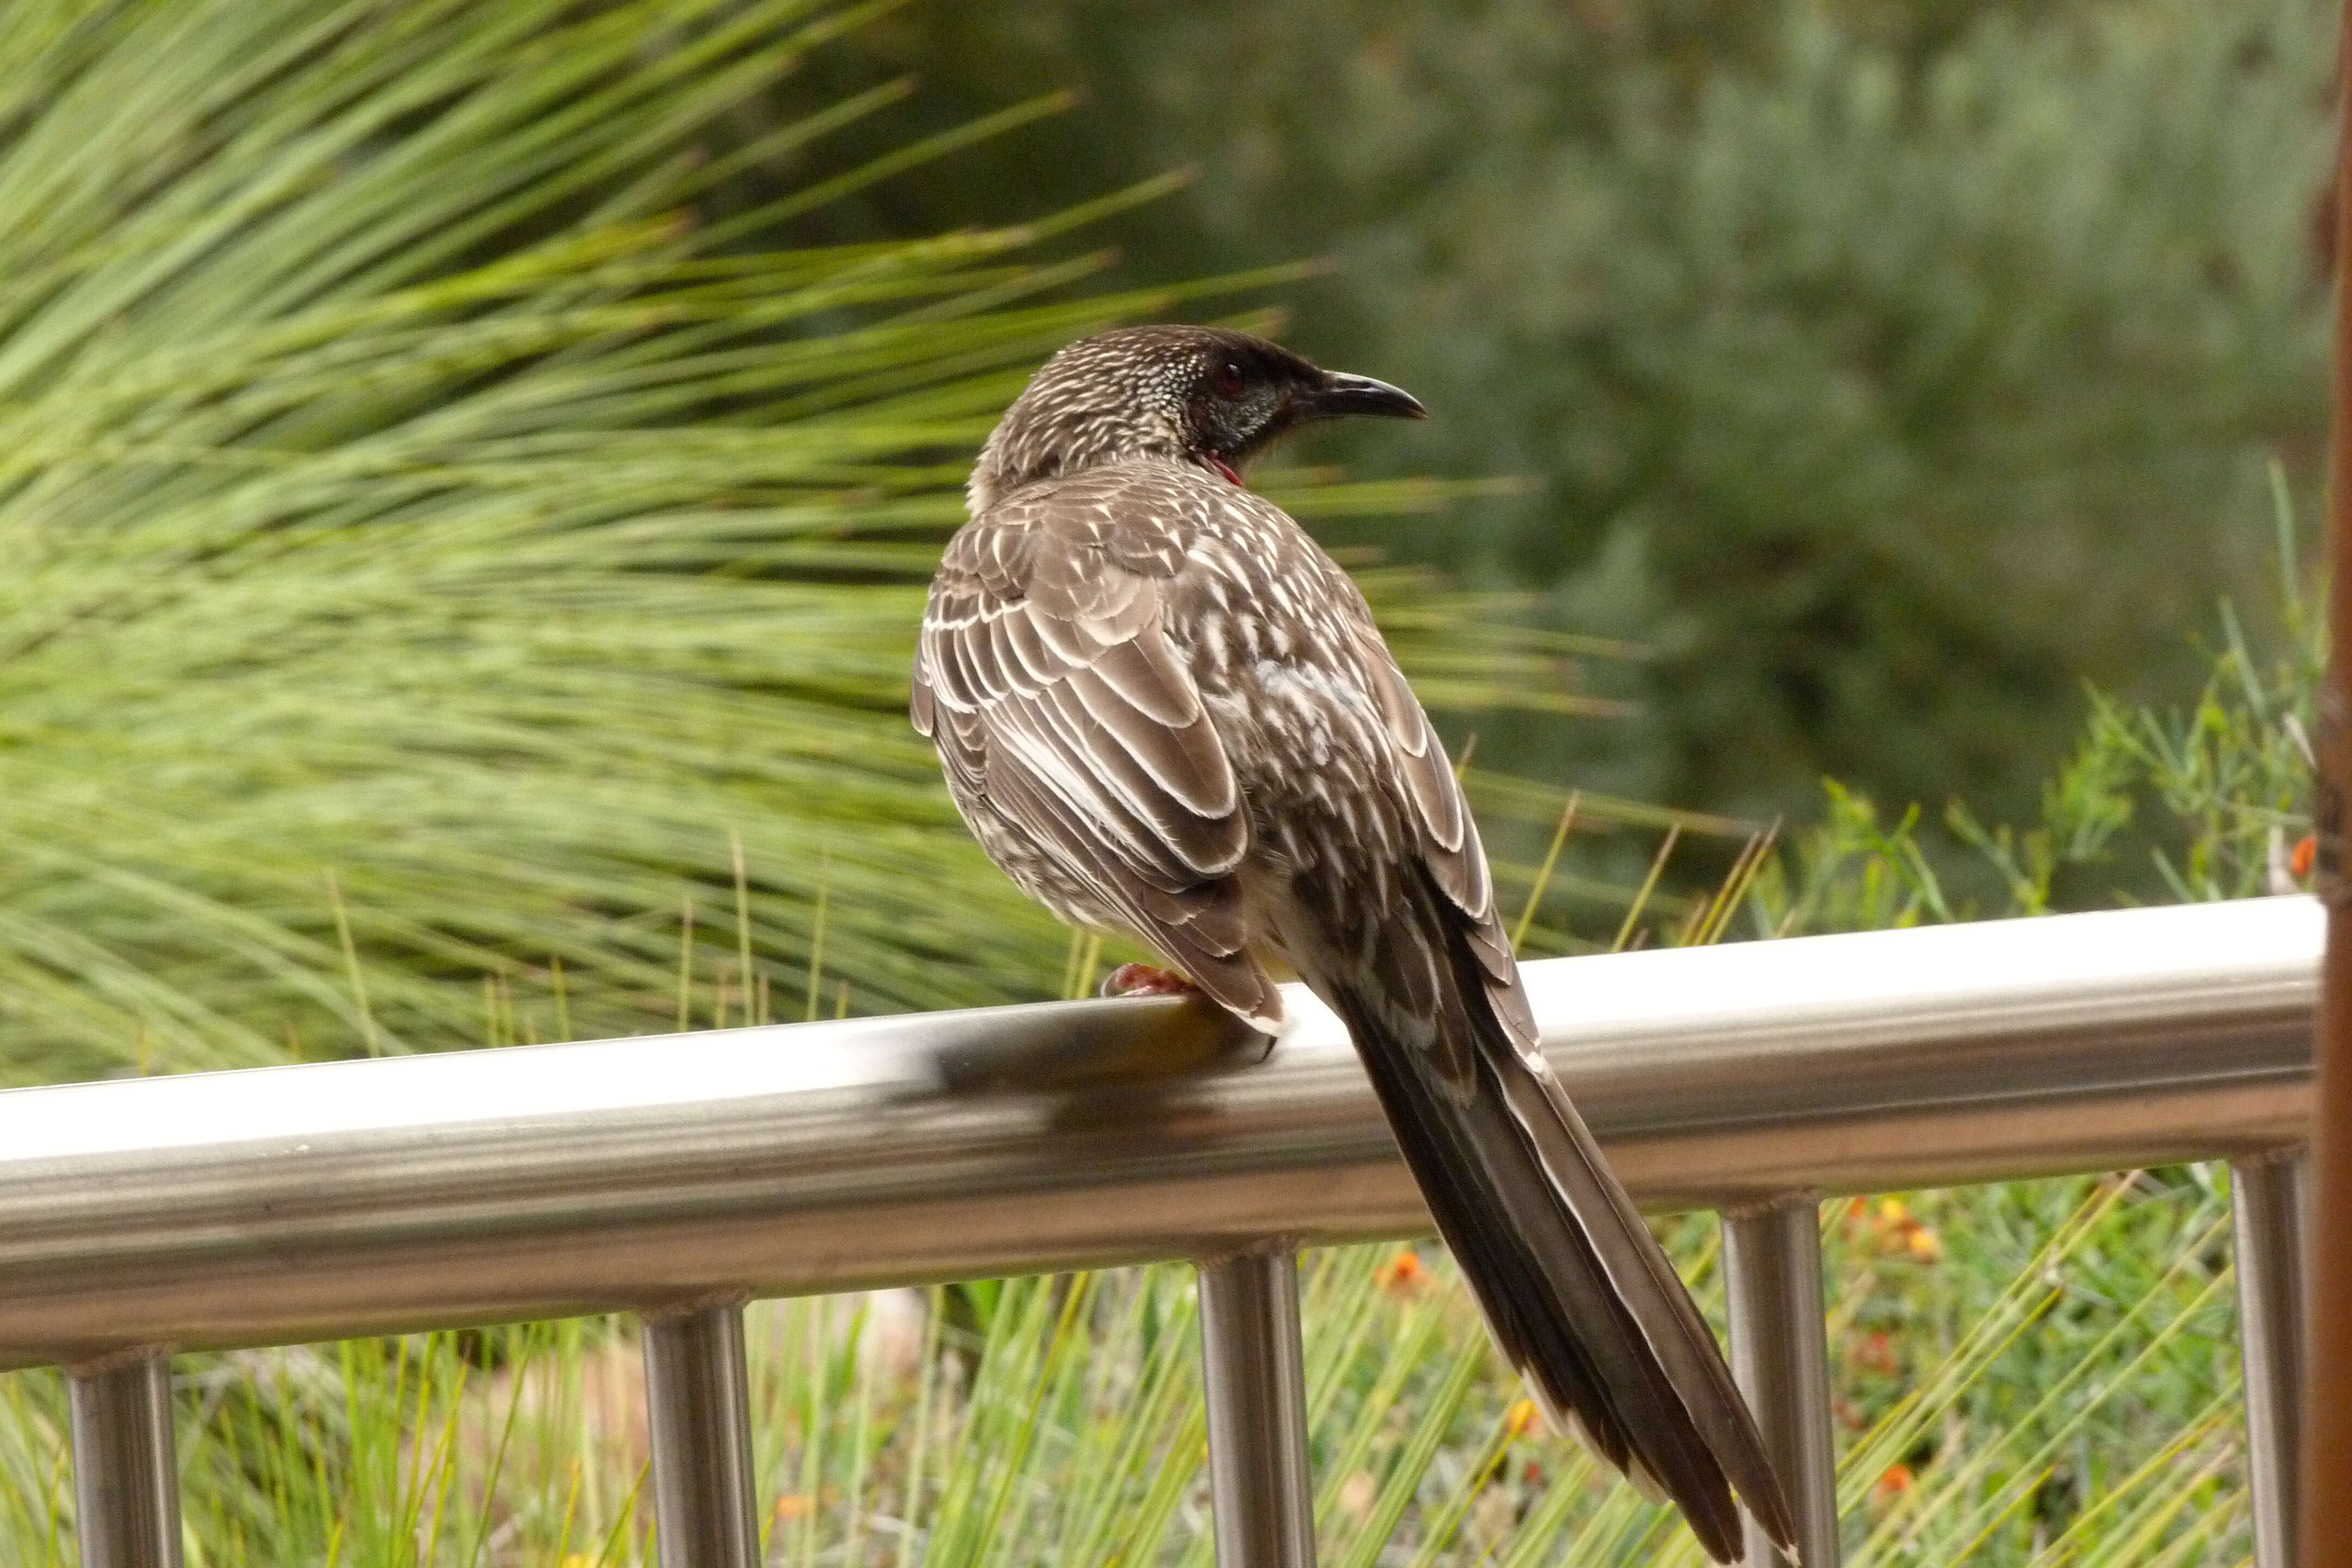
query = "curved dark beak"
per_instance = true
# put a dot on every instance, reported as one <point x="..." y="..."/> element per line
<point x="1341" y="395"/>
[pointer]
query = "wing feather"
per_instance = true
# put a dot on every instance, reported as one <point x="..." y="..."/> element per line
<point x="1069" y="715"/>
<point x="1450" y="846"/>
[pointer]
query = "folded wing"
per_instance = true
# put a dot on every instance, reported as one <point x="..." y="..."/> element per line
<point x="1047" y="681"/>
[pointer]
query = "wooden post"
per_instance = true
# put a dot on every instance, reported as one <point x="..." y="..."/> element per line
<point x="2326" y="1525"/>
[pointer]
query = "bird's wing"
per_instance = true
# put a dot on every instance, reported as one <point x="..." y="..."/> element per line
<point x="1450" y="849"/>
<point x="1048" y="683"/>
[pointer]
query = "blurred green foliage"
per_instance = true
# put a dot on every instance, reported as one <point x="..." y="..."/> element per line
<point x="1886" y="368"/>
<point x="461" y="562"/>
<point x="471" y="473"/>
<point x="2145" y="802"/>
<point x="2204" y="801"/>
<point x="460" y="576"/>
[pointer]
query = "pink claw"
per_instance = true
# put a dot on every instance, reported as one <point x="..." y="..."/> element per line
<point x="1144" y="980"/>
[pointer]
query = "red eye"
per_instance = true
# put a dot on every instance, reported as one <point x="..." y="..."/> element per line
<point x="1228" y="381"/>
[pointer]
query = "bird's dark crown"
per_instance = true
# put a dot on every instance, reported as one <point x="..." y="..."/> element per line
<point x="1196" y="395"/>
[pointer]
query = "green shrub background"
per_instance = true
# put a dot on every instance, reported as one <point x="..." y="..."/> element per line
<point x="469" y="477"/>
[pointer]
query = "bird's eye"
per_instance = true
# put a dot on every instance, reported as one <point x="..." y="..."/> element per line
<point x="1228" y="381"/>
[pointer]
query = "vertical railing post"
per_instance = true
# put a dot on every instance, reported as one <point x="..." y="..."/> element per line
<point x="699" y="1416"/>
<point x="2268" y="1200"/>
<point x="1779" y="1355"/>
<point x="126" y="1476"/>
<point x="1256" y="1379"/>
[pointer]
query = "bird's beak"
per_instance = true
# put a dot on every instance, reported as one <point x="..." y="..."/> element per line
<point x="1343" y="395"/>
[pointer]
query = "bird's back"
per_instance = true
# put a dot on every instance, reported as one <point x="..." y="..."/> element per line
<point x="1270" y="631"/>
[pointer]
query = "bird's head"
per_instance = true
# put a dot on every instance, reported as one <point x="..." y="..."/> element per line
<point x="1194" y="395"/>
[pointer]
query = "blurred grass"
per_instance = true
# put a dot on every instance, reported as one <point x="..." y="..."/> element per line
<point x="444" y="552"/>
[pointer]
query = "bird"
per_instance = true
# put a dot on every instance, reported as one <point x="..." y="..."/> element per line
<point x="1165" y="711"/>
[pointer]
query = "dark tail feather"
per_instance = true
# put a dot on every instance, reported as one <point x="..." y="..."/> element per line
<point x="1578" y="1294"/>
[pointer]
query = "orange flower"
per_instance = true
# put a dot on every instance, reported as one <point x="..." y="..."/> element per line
<point x="1897" y="1480"/>
<point x="1403" y="1275"/>
<point x="792" y="1505"/>
<point x="1519" y="1417"/>
<point x="1899" y="1230"/>
<point x="2306" y="849"/>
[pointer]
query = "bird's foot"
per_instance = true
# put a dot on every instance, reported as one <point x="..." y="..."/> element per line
<point x="1145" y="980"/>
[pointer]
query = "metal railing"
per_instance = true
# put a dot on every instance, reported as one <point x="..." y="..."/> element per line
<point x="677" y="1176"/>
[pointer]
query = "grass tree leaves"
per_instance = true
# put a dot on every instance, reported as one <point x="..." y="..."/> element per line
<point x="414" y="475"/>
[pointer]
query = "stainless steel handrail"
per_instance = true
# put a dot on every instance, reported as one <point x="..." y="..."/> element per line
<point x="389" y="1194"/>
<point x="309" y="1203"/>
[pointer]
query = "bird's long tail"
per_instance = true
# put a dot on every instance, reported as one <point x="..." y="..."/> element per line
<point x="1578" y="1294"/>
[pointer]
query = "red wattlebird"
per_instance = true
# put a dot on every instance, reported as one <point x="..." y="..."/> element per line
<point x="1164" y="710"/>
